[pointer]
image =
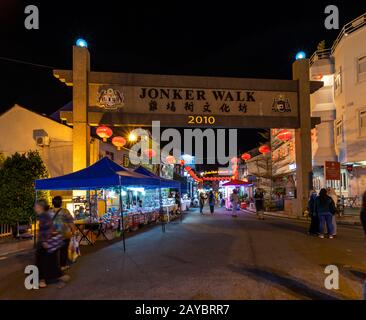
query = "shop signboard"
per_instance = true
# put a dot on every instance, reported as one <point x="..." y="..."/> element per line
<point x="332" y="170"/>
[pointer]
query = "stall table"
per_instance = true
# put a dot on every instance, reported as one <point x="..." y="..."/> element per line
<point x="92" y="228"/>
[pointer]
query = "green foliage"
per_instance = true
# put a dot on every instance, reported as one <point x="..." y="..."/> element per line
<point x="2" y="159"/>
<point x="321" y="45"/>
<point x="17" y="195"/>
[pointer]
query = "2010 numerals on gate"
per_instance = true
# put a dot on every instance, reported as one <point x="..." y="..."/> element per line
<point x="201" y="120"/>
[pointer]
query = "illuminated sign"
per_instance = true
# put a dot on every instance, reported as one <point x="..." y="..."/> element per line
<point x="205" y="103"/>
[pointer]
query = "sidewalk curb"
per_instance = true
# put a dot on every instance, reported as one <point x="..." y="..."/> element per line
<point x="339" y="222"/>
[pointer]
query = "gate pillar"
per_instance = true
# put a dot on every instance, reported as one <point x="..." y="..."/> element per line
<point x="300" y="72"/>
<point x="80" y="100"/>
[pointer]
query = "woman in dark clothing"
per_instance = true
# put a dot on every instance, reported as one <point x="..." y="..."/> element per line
<point x="314" y="224"/>
<point x="48" y="262"/>
<point x="211" y="201"/>
<point x="363" y="212"/>
<point x="324" y="208"/>
<point x="259" y="199"/>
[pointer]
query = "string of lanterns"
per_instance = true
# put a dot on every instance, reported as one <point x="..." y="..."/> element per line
<point x="105" y="133"/>
<point x="192" y="174"/>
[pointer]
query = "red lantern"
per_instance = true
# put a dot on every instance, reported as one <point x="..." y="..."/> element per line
<point x="188" y="168"/>
<point x="264" y="149"/>
<point x="170" y="159"/>
<point x="119" y="142"/>
<point x="104" y="132"/>
<point x="150" y="153"/>
<point x="284" y="135"/>
<point x="246" y="156"/>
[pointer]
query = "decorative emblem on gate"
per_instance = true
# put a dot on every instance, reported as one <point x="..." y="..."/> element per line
<point x="281" y="104"/>
<point x="110" y="99"/>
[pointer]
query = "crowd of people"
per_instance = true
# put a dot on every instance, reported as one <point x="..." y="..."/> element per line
<point x="219" y="200"/>
<point x="323" y="210"/>
<point x="56" y="228"/>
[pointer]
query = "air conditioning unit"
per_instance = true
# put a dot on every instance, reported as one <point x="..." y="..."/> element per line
<point x="43" y="141"/>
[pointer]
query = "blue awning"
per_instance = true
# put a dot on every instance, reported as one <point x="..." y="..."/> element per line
<point x="164" y="183"/>
<point x="102" y="174"/>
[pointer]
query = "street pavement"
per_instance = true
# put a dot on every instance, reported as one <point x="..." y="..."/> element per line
<point x="207" y="257"/>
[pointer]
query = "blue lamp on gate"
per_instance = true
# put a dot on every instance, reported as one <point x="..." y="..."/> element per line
<point x="300" y="55"/>
<point x="81" y="43"/>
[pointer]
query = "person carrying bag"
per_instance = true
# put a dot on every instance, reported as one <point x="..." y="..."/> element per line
<point x="49" y="242"/>
<point x="64" y="223"/>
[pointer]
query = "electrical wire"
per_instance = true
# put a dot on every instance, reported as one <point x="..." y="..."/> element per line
<point x="26" y="63"/>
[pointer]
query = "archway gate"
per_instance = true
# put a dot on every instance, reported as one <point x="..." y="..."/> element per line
<point x="122" y="99"/>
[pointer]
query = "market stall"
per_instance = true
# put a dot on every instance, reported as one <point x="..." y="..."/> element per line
<point x="113" y="183"/>
<point x="244" y="191"/>
<point x="166" y="196"/>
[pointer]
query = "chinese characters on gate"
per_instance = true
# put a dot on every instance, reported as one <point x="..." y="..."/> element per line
<point x="196" y="100"/>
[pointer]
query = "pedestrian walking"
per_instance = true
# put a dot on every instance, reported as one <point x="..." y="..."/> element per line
<point x="234" y="199"/>
<point x="324" y="207"/>
<point x="178" y="202"/>
<point x="332" y="194"/>
<point x="211" y="201"/>
<point x="48" y="245"/>
<point x="202" y="202"/>
<point x="314" y="219"/>
<point x="259" y="203"/>
<point x="363" y="212"/>
<point x="64" y="224"/>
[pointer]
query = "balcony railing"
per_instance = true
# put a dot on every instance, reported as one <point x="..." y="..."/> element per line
<point x="320" y="54"/>
<point x="348" y="28"/>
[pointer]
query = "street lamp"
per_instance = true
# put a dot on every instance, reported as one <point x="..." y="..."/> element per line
<point x="132" y="137"/>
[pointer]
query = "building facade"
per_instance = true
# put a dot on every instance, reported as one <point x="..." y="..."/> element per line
<point x="341" y="104"/>
<point x="22" y="130"/>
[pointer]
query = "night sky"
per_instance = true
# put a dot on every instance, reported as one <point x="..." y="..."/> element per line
<point x="255" y="39"/>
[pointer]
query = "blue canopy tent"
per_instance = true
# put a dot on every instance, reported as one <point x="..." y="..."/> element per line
<point x="104" y="173"/>
<point x="164" y="183"/>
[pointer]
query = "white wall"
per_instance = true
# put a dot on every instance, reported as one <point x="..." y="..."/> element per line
<point x="16" y="135"/>
<point x="323" y="106"/>
<point x="353" y="96"/>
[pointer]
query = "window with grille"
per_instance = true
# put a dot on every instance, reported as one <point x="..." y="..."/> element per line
<point x="362" y="122"/>
<point x="338" y="82"/>
<point x="339" y="131"/>
<point x="361" y="68"/>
